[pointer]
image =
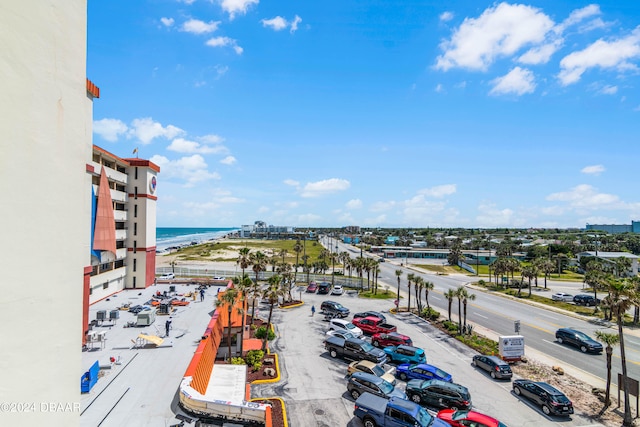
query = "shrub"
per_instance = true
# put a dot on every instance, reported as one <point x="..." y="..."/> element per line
<point x="261" y="332"/>
<point x="237" y="361"/>
<point x="450" y="326"/>
<point x="256" y="366"/>
<point x="481" y="282"/>
<point x="430" y="313"/>
<point x="253" y="357"/>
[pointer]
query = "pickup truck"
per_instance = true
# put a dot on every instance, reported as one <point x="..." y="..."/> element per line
<point x="372" y="325"/>
<point x="354" y="349"/>
<point x="376" y="411"/>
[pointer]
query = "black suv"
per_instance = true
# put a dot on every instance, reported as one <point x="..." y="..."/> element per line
<point x="579" y="339"/>
<point x="438" y="394"/>
<point x="324" y="288"/>
<point x="552" y="400"/>
<point x="584" y="299"/>
<point x="496" y="367"/>
<point x="334" y="309"/>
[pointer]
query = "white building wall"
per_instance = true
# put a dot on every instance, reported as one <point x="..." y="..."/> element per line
<point x="46" y="143"/>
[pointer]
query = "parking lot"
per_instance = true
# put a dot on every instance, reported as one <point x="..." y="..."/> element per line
<point x="313" y="384"/>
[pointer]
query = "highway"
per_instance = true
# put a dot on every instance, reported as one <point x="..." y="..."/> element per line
<point x="498" y="313"/>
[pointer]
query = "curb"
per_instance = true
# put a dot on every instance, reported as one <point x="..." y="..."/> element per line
<point x="292" y="306"/>
<point x="277" y="377"/>
<point x="284" y="408"/>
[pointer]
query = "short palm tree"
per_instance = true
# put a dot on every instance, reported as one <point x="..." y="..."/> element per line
<point x="410" y="278"/>
<point x="242" y="285"/>
<point x="450" y="295"/>
<point x="609" y="340"/>
<point x="398" y="274"/>
<point x="272" y="294"/>
<point x="418" y="282"/>
<point x="244" y="259"/>
<point x="466" y="296"/>
<point x="297" y="248"/>
<point x="428" y="286"/>
<point x="228" y="299"/>
<point x="460" y="294"/>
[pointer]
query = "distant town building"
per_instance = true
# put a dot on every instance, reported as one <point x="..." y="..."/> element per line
<point x="616" y="228"/>
<point x="260" y="230"/>
<point x="611" y="257"/>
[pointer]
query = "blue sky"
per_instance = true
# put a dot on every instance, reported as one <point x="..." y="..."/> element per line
<point x="374" y="113"/>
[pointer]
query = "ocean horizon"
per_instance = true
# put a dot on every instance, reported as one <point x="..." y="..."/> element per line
<point x="167" y="237"/>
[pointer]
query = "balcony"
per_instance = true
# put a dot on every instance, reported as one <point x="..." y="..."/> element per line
<point x="118" y="196"/>
<point x="112" y="174"/>
<point x="121" y="253"/>
<point x="121" y="235"/>
<point x="120" y="215"/>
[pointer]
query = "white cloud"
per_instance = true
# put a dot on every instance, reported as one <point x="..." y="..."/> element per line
<point x="146" y="130"/>
<point x="229" y="160"/>
<point x="167" y="22"/>
<point x="224" y="41"/>
<point x="446" y="16"/>
<point x="383" y="206"/>
<point x="585" y="196"/>
<point x="490" y="216"/>
<point x="439" y="88"/>
<point x="191" y="170"/>
<point x="501" y="30"/>
<point x="439" y="190"/>
<point x="517" y="81"/>
<point x="578" y="15"/>
<point x="540" y="54"/>
<point x="609" y="90"/>
<point x="187" y="1"/>
<point x="291" y="182"/>
<point x="294" y="24"/>
<point x="419" y="210"/>
<point x="354" y="204"/>
<point x="181" y="145"/>
<point x="278" y="23"/>
<point x="195" y="26"/>
<point x="233" y="7"/>
<point x="593" y="170"/>
<point x="109" y="129"/>
<point x="326" y="186"/>
<point x="603" y="54"/>
<point x="211" y="139"/>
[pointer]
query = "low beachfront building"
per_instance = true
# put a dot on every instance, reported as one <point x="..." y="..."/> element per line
<point x="611" y="257"/>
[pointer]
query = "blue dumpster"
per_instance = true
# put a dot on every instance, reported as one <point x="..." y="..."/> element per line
<point x="89" y="378"/>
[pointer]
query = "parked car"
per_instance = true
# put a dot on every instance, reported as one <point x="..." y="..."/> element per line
<point x="345" y="325"/>
<point x="422" y="371"/>
<point x="383" y="339"/>
<point x="561" y="296"/>
<point x="361" y="382"/>
<point x="552" y="400"/>
<point x="219" y="278"/>
<point x="579" y="339"/>
<point x="375" y="411"/>
<point x="584" y="299"/>
<point x="168" y="276"/>
<point x="324" y="288"/>
<point x="438" y="394"/>
<point x="337" y="290"/>
<point x="370" y="313"/>
<point x="405" y="354"/>
<point x="372" y="325"/>
<point x="372" y="368"/>
<point x="466" y="418"/>
<point x="496" y="367"/>
<point x="354" y="349"/>
<point x="312" y="288"/>
<point x="334" y="308"/>
<point x="344" y="334"/>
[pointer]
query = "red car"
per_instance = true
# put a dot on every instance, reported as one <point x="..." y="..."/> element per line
<point x="312" y="288"/>
<point x="463" y="418"/>
<point x="382" y="339"/>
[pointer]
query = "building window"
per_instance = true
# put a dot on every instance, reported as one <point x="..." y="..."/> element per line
<point x="136" y="173"/>
<point x="135" y="246"/>
<point x="90" y="290"/>
<point x="135" y="192"/>
<point x="134" y="281"/>
<point x="135" y="211"/>
<point x="135" y="228"/>
<point x="135" y="264"/>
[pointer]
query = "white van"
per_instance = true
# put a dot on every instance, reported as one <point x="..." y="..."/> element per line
<point x="344" y="325"/>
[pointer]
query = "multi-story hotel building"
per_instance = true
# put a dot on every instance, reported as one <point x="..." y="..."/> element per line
<point x="54" y="261"/>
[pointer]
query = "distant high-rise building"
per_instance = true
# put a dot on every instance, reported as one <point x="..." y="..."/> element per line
<point x="616" y="228"/>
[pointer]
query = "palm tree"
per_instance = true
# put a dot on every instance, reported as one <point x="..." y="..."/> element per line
<point x="428" y="286"/>
<point x="244" y="259"/>
<point x="460" y="294"/>
<point x="333" y="257"/>
<point x="297" y="248"/>
<point x="254" y="290"/>
<point x="450" y="295"/>
<point x="284" y="270"/>
<point x="242" y="284"/>
<point x="283" y="253"/>
<point x="466" y="296"/>
<point x="273" y="261"/>
<point x="398" y="274"/>
<point x="228" y="298"/>
<point x="259" y="262"/>
<point x="417" y="290"/>
<point x="622" y="296"/>
<point x="410" y="278"/>
<point x="272" y="293"/>
<point x="610" y="340"/>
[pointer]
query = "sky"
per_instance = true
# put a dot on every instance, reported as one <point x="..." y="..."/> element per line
<point x="397" y="113"/>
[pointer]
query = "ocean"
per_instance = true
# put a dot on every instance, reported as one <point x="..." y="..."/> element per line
<point x="177" y="236"/>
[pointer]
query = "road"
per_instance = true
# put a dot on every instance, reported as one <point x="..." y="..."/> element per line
<point x="498" y="313"/>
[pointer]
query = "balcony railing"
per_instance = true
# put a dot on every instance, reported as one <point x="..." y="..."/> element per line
<point x="112" y="174"/>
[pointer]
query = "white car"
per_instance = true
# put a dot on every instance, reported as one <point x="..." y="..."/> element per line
<point x="337" y="290"/>
<point x="219" y="278"/>
<point x="561" y="296"/>
<point x="340" y="334"/>
<point x="345" y="325"/>
<point x="169" y="276"/>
